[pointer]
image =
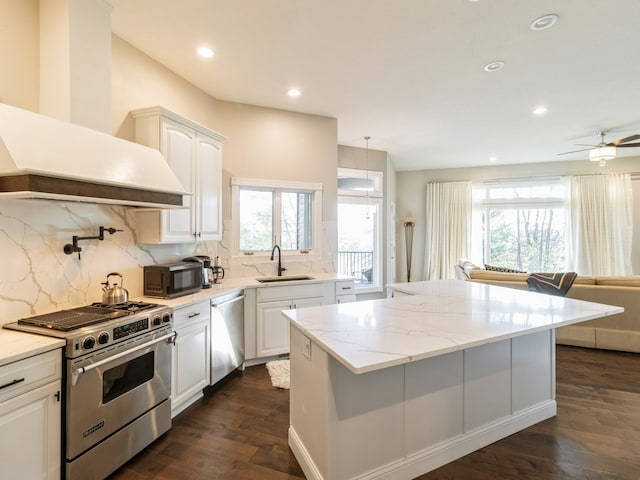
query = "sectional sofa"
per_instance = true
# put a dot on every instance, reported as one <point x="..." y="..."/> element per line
<point x="617" y="332"/>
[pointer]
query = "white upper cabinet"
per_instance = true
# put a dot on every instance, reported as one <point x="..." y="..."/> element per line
<point x="194" y="153"/>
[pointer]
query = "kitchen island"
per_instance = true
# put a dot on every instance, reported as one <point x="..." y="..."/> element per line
<point x="394" y="388"/>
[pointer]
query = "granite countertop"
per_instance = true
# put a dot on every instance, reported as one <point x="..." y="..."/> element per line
<point x="441" y="317"/>
<point x="16" y="346"/>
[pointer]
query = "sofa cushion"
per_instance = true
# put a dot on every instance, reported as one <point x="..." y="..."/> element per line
<point x="479" y="274"/>
<point x="493" y="268"/>
<point x="585" y="280"/>
<point x="628" y="281"/>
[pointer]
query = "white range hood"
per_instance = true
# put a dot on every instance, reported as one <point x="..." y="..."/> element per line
<point x="42" y="157"/>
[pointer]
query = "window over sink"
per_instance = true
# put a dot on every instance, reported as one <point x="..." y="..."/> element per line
<point x="268" y="212"/>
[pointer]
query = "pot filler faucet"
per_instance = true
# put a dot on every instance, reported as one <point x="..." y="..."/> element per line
<point x="280" y="267"/>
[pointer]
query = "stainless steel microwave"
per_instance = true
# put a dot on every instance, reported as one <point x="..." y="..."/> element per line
<point x="172" y="280"/>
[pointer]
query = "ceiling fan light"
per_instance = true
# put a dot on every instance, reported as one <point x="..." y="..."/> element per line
<point x="602" y="153"/>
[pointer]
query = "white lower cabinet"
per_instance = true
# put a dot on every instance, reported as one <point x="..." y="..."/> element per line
<point x="30" y="417"/>
<point x="345" y="291"/>
<point x="273" y="328"/>
<point x="191" y="355"/>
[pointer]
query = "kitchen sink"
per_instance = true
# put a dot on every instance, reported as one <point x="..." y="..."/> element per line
<point x="285" y="278"/>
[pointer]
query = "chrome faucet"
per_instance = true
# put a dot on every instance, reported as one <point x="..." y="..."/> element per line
<point x="280" y="267"/>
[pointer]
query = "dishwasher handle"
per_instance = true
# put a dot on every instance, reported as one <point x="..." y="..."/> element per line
<point x="226" y="302"/>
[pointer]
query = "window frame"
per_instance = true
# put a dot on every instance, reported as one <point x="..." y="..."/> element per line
<point x="375" y="196"/>
<point x="255" y="256"/>
<point x="483" y="205"/>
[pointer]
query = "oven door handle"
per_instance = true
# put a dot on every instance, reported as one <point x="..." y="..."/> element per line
<point x="76" y="373"/>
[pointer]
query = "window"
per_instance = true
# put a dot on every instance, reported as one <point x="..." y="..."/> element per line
<point x="521" y="224"/>
<point x="360" y="227"/>
<point x="267" y="213"/>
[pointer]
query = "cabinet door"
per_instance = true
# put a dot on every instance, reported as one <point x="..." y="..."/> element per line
<point x="30" y="434"/>
<point x="208" y="186"/>
<point x="177" y="146"/>
<point x="272" y="328"/>
<point x="191" y="365"/>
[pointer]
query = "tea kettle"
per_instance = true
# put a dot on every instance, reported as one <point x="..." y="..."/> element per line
<point x="112" y="295"/>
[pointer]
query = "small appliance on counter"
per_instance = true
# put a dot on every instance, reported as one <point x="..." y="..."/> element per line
<point x="217" y="272"/>
<point x="172" y="280"/>
<point x="205" y="265"/>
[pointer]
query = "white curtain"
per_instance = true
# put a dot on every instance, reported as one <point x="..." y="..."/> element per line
<point x="448" y="227"/>
<point x="601" y="227"/>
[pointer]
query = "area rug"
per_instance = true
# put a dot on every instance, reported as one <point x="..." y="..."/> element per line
<point x="279" y="373"/>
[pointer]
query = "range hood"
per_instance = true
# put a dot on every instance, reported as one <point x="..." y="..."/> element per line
<point x="42" y="157"/>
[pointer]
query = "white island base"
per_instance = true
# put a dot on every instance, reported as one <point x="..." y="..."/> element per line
<point x="403" y="421"/>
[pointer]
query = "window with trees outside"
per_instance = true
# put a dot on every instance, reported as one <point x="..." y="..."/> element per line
<point x="360" y="218"/>
<point x="521" y="224"/>
<point x="267" y="213"/>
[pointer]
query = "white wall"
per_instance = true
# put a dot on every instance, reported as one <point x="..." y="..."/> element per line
<point x="411" y="194"/>
<point x="19" y="58"/>
<point x="37" y="276"/>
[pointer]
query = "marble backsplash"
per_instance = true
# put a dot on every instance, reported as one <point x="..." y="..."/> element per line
<point x="36" y="276"/>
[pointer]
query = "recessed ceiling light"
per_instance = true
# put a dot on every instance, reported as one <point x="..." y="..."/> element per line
<point x="493" y="66"/>
<point x="205" y="52"/>
<point x="540" y="110"/>
<point x="544" y="22"/>
<point x="493" y="159"/>
<point x="293" y="92"/>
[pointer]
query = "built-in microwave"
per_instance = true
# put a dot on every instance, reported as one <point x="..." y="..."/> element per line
<point x="172" y="279"/>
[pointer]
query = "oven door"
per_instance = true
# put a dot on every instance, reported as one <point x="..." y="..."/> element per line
<point x="109" y="389"/>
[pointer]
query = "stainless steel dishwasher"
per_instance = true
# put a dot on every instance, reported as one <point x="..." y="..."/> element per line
<point x="227" y="335"/>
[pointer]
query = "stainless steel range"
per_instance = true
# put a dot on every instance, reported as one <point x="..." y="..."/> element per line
<point x="117" y="379"/>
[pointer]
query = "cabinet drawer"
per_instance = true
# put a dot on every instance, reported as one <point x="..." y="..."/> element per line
<point x="191" y="313"/>
<point x="345" y="287"/>
<point x="290" y="291"/>
<point x="30" y="373"/>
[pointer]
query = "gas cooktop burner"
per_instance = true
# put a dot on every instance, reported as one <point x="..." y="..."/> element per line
<point x="74" y="318"/>
<point x="131" y="307"/>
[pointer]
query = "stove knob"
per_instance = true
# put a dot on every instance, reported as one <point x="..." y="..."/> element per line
<point x="166" y="318"/>
<point x="88" y="343"/>
<point x="156" y="320"/>
<point x="103" y="338"/>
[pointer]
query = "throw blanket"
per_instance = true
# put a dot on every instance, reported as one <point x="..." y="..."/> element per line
<point x="551" y="283"/>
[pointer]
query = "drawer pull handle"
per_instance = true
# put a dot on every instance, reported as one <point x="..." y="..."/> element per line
<point x="191" y="315"/>
<point x="18" y="380"/>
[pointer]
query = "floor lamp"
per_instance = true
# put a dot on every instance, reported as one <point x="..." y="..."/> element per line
<point x="409" y="223"/>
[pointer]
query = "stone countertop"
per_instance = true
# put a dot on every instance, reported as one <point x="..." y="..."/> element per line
<point x="237" y="284"/>
<point x="440" y="317"/>
<point x="16" y="346"/>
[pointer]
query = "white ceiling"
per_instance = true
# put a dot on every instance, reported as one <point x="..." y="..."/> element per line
<point x="409" y="73"/>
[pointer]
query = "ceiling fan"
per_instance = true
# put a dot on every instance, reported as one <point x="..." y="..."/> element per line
<point x="606" y="151"/>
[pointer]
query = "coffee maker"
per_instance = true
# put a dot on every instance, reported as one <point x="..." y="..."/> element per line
<point x="205" y="260"/>
<point x="217" y="271"/>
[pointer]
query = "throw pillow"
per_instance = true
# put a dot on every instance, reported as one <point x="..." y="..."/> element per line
<point x="492" y="268"/>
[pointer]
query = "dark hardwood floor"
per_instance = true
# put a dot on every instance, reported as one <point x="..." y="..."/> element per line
<point x="239" y="432"/>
